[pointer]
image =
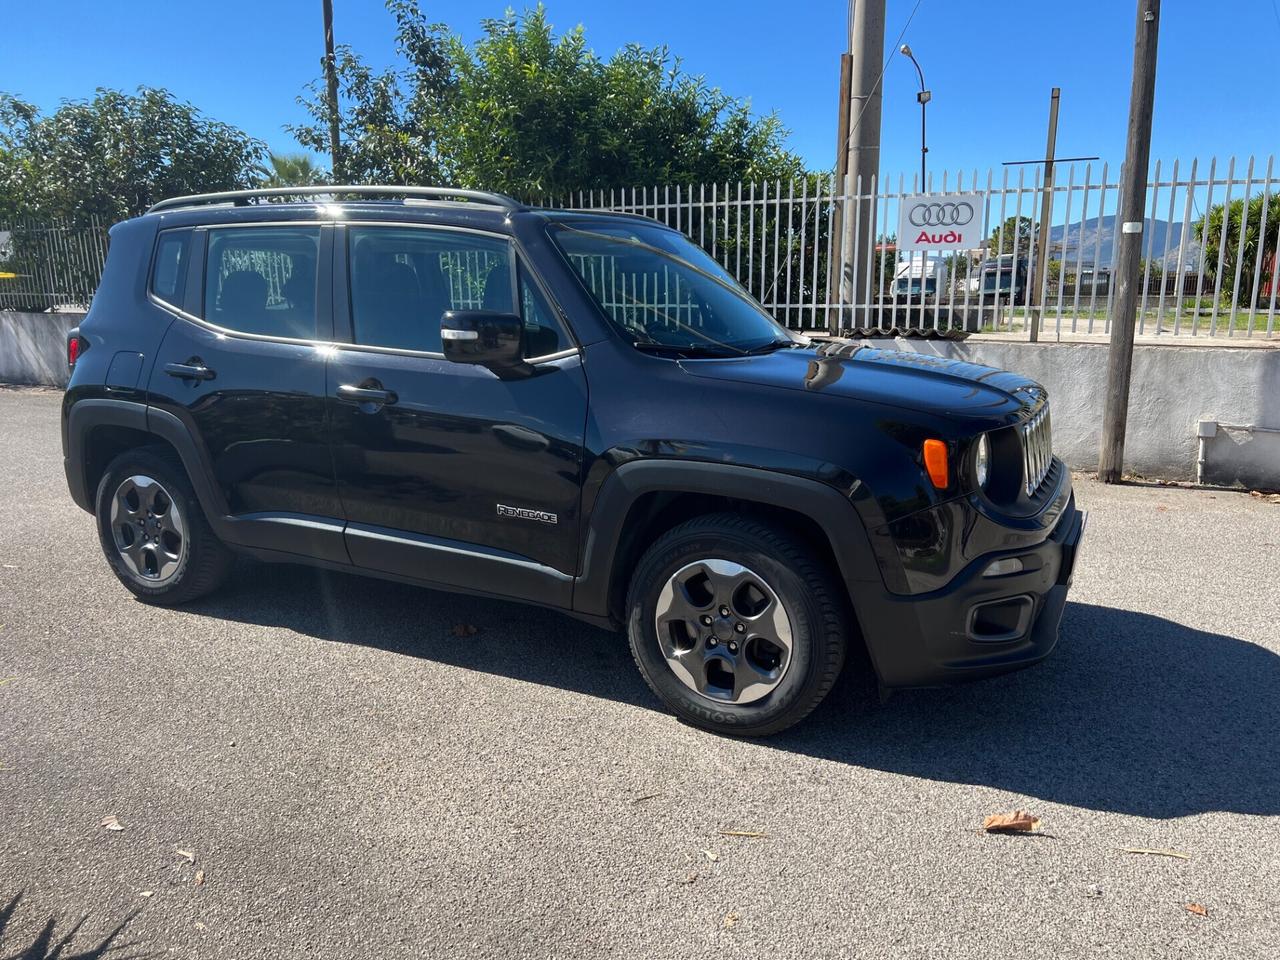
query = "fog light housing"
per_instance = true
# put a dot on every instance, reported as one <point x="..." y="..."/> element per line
<point x="1002" y="568"/>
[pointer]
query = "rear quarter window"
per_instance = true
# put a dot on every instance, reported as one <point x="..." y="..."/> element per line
<point x="169" y="268"/>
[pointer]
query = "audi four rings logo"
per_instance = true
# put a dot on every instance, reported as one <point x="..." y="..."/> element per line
<point x="940" y="214"/>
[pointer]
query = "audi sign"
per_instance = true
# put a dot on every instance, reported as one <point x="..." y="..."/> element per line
<point x="940" y="222"/>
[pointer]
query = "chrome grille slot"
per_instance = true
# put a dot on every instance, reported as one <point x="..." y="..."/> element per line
<point x="1037" y="450"/>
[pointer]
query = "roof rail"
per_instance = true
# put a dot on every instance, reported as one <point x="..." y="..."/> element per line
<point x="243" y="197"/>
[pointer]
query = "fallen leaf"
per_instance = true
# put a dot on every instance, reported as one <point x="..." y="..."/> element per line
<point x="1196" y="908"/>
<point x="111" y="823"/>
<point x="465" y="630"/>
<point x="741" y="833"/>
<point x="730" y="919"/>
<point x="186" y="855"/>
<point x="713" y="857"/>
<point x="1019" y="821"/>
<point x="199" y="878"/>
<point x="146" y="893"/>
<point x="200" y="926"/>
<point x="1157" y="852"/>
<point x="689" y="878"/>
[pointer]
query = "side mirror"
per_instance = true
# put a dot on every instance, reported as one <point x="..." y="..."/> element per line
<point x="485" y="337"/>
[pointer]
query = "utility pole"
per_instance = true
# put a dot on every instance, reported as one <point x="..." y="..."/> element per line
<point x="858" y="230"/>
<point x="331" y="82"/>
<point x="1133" y="193"/>
<point x="842" y="167"/>
<point x="1046" y="213"/>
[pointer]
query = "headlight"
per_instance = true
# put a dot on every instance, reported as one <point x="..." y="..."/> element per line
<point x="982" y="461"/>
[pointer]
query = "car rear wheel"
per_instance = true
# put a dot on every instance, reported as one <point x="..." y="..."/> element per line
<point x="736" y="625"/>
<point x="154" y="534"/>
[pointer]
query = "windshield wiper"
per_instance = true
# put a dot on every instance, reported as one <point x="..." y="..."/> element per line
<point x="771" y="345"/>
<point x="689" y="349"/>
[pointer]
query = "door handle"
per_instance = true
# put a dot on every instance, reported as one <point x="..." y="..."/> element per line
<point x="373" y="395"/>
<point x="192" y="370"/>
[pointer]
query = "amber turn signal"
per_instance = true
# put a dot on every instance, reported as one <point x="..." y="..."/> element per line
<point x="935" y="462"/>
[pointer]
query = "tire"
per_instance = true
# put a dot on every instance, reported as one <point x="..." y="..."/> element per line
<point x="154" y="534"/>
<point x="751" y="684"/>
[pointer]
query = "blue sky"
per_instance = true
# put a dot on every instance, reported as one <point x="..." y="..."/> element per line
<point x="989" y="64"/>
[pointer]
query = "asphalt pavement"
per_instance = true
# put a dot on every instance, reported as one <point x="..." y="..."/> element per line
<point x="319" y="765"/>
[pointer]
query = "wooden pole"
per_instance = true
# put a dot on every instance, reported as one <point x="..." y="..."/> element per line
<point x="1046" y="215"/>
<point x="1128" y="239"/>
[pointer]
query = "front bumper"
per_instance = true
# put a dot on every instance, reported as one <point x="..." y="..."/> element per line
<point x="976" y="625"/>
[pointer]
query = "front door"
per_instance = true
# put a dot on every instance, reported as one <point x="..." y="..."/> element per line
<point x="446" y="472"/>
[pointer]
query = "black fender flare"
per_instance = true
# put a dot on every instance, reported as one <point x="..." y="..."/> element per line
<point x="90" y="413"/>
<point x="834" y="514"/>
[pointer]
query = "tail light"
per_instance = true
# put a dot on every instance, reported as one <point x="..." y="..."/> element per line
<point x="76" y="345"/>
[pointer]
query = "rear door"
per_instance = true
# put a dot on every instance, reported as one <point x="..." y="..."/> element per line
<point x="451" y="474"/>
<point x="243" y="367"/>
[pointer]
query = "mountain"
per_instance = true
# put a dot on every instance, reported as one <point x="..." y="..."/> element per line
<point x="1097" y="237"/>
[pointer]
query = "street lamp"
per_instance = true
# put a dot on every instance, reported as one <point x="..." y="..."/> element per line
<point x="922" y="97"/>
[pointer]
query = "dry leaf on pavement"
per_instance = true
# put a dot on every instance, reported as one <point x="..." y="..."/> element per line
<point x="1157" y="852"/>
<point x="1019" y="821"/>
<point x="1197" y="909"/>
<point x="730" y="919"/>
<point x="111" y="823"/>
<point x="146" y="893"/>
<point x="199" y="878"/>
<point x="710" y="855"/>
<point x="186" y="855"/>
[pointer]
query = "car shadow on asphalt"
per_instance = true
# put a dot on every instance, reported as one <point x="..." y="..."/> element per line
<point x="1132" y="714"/>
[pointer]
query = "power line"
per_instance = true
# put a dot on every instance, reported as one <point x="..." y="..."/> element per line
<point x="888" y="60"/>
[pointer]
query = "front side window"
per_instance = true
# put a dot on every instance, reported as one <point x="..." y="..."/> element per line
<point x="662" y="291"/>
<point x="169" y="272"/>
<point x="263" y="280"/>
<point x="403" y="279"/>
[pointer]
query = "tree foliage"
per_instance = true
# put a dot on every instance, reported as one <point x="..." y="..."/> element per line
<point x="114" y="155"/>
<point x="293" y="170"/>
<point x="1016" y="234"/>
<point x="526" y="111"/>
<point x="1222" y="242"/>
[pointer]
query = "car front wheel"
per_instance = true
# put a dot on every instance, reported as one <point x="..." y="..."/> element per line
<point x="736" y="625"/>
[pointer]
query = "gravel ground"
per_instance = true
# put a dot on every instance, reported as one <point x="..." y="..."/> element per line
<point x="355" y="780"/>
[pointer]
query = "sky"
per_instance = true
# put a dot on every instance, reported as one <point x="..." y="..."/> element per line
<point x="990" y="65"/>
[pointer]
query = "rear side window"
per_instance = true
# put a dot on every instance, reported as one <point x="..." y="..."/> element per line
<point x="169" y="270"/>
<point x="402" y="280"/>
<point x="263" y="280"/>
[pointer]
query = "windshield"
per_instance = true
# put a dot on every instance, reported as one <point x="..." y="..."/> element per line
<point x="661" y="290"/>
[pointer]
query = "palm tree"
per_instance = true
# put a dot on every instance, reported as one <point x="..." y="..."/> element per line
<point x="1216" y="244"/>
<point x="293" y="170"/>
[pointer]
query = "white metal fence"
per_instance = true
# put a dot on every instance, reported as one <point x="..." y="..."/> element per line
<point x="49" y="265"/>
<point x="1209" y="249"/>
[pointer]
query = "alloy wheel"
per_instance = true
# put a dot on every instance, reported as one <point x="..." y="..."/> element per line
<point x="148" y="529"/>
<point x="723" y="631"/>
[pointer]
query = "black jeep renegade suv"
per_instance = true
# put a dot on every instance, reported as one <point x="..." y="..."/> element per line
<point x="579" y="410"/>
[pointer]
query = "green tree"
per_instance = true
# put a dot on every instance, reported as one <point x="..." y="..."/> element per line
<point x="1015" y="234"/>
<point x="115" y="155"/>
<point x="532" y="113"/>
<point x="1224" y="244"/>
<point x="293" y="170"/>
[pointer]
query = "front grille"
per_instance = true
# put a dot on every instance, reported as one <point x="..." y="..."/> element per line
<point x="1037" y="450"/>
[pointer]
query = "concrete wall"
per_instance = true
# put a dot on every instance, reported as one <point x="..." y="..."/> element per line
<point x="33" y="347"/>
<point x="1174" y="387"/>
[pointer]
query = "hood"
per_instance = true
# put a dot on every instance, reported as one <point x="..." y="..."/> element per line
<point x="898" y="378"/>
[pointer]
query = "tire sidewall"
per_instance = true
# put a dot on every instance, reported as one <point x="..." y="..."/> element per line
<point x="144" y="463"/>
<point x="801" y="676"/>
